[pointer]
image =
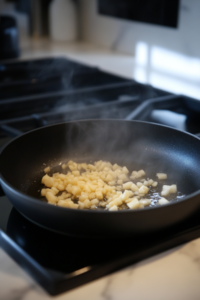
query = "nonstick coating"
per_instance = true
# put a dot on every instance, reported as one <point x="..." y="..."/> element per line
<point x="136" y="145"/>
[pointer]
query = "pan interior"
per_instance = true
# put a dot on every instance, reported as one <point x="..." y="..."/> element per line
<point x="136" y="145"/>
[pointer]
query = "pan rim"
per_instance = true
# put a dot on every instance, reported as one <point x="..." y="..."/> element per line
<point x="34" y="200"/>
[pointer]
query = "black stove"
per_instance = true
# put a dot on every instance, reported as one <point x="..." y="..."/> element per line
<point x="48" y="91"/>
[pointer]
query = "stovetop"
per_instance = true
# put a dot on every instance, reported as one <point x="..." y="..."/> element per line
<point x="59" y="263"/>
<point x="47" y="91"/>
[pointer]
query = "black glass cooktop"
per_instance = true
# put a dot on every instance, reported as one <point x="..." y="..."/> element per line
<point x="59" y="263"/>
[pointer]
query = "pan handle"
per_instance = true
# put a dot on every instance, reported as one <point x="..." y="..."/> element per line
<point x="12" y="132"/>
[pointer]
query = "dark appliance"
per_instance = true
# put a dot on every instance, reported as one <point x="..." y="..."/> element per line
<point x="157" y="12"/>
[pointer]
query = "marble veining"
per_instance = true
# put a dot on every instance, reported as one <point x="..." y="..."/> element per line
<point x="18" y="294"/>
<point x="170" y="275"/>
<point x="106" y="291"/>
<point x="192" y="251"/>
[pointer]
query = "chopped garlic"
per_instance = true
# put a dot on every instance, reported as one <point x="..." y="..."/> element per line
<point x="48" y="181"/>
<point x="67" y="204"/>
<point x="127" y="185"/>
<point x="95" y="202"/>
<point x="93" y="207"/>
<point x="138" y="174"/>
<point x="134" y="204"/>
<point x="47" y="170"/>
<point x="131" y="194"/>
<point x="161" y="176"/>
<point x="143" y="189"/>
<point x="150" y="182"/>
<point x="99" y="185"/>
<point x="125" y="195"/>
<point x="113" y="208"/>
<point x="131" y="199"/>
<point x="43" y="192"/>
<point x="118" y="187"/>
<point x="134" y="187"/>
<point x="125" y="170"/>
<point x="51" y="198"/>
<point x="111" y="183"/>
<point x="120" y="182"/>
<point x="169" y="189"/>
<point x="102" y="204"/>
<point x="141" y="173"/>
<point x="145" y="202"/>
<point x="163" y="201"/>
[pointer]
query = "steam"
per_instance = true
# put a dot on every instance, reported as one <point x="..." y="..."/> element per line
<point x="132" y="144"/>
<point x="115" y="141"/>
<point x="47" y="68"/>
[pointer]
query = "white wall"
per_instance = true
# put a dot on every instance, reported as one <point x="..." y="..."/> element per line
<point x="163" y="56"/>
<point x="124" y="35"/>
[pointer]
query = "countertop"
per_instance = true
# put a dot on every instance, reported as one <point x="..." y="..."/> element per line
<point x="177" y="74"/>
<point x="170" y="275"/>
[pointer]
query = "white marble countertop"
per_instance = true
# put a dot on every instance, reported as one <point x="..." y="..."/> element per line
<point x="170" y="275"/>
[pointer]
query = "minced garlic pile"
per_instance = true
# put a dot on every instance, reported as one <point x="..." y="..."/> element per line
<point x="91" y="186"/>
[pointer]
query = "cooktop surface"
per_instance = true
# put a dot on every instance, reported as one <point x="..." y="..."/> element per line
<point x="59" y="263"/>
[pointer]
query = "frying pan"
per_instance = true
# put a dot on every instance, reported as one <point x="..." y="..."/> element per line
<point x="137" y="145"/>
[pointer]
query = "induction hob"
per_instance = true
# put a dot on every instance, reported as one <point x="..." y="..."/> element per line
<point x="60" y="263"/>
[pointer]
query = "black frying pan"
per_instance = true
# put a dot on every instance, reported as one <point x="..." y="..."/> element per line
<point x="136" y="145"/>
